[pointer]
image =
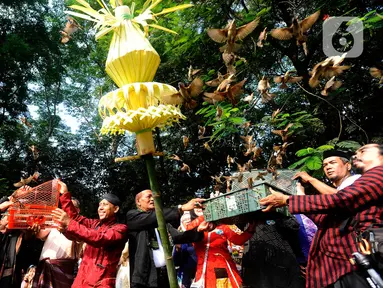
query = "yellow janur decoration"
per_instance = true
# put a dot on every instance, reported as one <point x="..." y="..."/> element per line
<point x="139" y="105"/>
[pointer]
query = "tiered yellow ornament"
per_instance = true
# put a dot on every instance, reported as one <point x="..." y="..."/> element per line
<point x="139" y="105"/>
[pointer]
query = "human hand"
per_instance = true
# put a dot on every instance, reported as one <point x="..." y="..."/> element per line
<point x="305" y="178"/>
<point x="275" y="200"/>
<point x="35" y="228"/>
<point x="194" y="203"/>
<point x="300" y="189"/>
<point x="3" y="224"/>
<point x="204" y="226"/>
<point x="61" y="218"/>
<point x="62" y="187"/>
<point x="5" y="205"/>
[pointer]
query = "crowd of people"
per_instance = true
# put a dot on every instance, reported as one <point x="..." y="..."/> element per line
<point x="310" y="248"/>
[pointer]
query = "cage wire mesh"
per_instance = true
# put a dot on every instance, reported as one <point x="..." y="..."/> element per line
<point x="241" y="203"/>
<point x="34" y="206"/>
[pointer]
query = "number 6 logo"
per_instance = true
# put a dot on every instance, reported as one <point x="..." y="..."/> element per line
<point x="332" y="28"/>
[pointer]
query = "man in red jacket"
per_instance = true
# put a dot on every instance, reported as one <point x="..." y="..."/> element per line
<point x="361" y="201"/>
<point x="105" y="239"/>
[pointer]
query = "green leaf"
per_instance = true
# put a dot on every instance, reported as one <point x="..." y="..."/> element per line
<point x="237" y="120"/>
<point x="300" y="162"/>
<point x="304" y="152"/>
<point x="325" y="147"/>
<point x="314" y="163"/>
<point x="349" y="144"/>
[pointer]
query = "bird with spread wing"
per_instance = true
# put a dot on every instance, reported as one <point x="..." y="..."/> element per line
<point x="231" y="34"/>
<point x="297" y="30"/>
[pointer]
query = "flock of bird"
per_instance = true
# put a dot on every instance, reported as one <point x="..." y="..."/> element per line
<point x="226" y="88"/>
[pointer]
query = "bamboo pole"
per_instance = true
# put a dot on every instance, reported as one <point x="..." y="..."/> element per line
<point x="150" y="166"/>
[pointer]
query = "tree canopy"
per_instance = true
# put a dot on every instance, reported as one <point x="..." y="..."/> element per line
<point x="42" y="80"/>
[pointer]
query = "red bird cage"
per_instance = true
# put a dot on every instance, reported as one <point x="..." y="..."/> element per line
<point x="34" y="206"/>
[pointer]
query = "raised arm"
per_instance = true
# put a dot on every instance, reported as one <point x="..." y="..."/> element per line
<point x="363" y="193"/>
<point x="139" y="220"/>
<point x="95" y="238"/>
<point x="68" y="207"/>
<point x="321" y="187"/>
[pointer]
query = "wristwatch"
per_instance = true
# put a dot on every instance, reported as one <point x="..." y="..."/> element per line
<point x="287" y="201"/>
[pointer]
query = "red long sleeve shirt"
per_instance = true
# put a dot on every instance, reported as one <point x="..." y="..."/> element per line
<point x="105" y="241"/>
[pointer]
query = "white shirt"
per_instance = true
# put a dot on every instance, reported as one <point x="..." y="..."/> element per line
<point x="57" y="246"/>
<point x="348" y="181"/>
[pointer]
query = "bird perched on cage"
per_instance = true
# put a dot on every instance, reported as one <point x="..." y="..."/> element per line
<point x="377" y="73"/>
<point x="327" y="68"/>
<point x="331" y="85"/>
<point x="71" y="27"/>
<point x="231" y="34"/>
<point x="297" y="30"/>
<point x="286" y="78"/>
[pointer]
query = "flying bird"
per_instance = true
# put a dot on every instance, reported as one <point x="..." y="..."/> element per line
<point x="218" y="113"/>
<point x="263" y="89"/>
<point x="35" y="152"/>
<point x="283" y="133"/>
<point x="229" y="160"/>
<point x="231" y="93"/>
<point x="286" y="78"/>
<point x="192" y="72"/>
<point x="207" y="147"/>
<point x="186" y="94"/>
<point x="331" y="85"/>
<point x="71" y="27"/>
<point x="327" y="69"/>
<point x="185" y="140"/>
<point x="262" y="37"/>
<point x="377" y="73"/>
<point x="175" y="157"/>
<point x="26" y="122"/>
<point x="231" y="34"/>
<point x="185" y="168"/>
<point x="201" y="131"/>
<point x="275" y="113"/>
<point x="249" y="98"/>
<point x="215" y="82"/>
<point x="297" y="30"/>
<point x="26" y="181"/>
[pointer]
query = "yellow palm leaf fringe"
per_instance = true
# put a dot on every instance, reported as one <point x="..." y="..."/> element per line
<point x="139" y="105"/>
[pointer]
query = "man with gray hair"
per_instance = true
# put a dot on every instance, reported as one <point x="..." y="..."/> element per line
<point x="145" y="249"/>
